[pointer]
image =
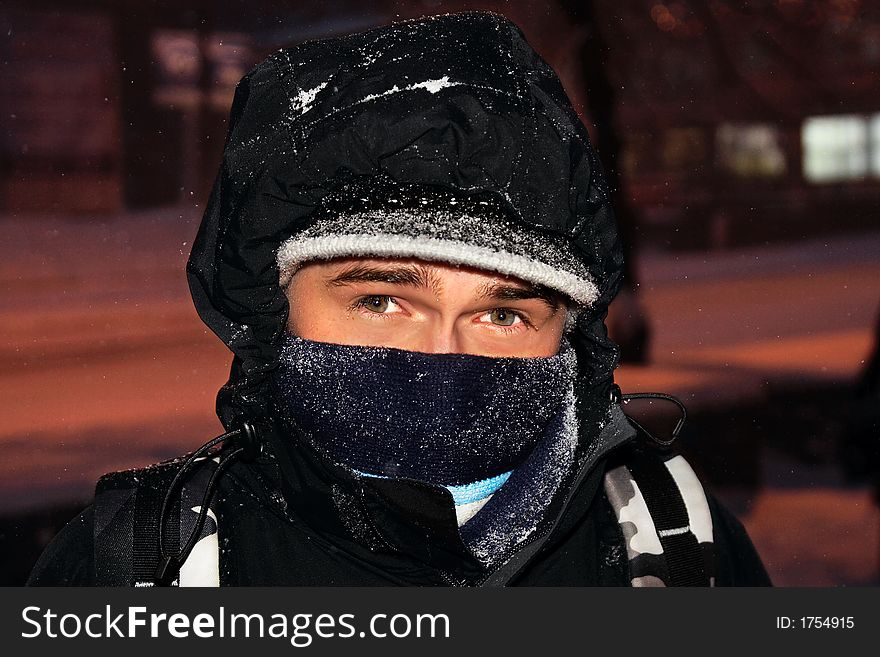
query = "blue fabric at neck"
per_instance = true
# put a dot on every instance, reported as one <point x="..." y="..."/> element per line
<point x="478" y="490"/>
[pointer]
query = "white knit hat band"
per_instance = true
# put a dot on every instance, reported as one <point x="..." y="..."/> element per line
<point x="297" y="251"/>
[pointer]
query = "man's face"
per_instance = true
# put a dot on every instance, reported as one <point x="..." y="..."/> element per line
<point x="424" y="306"/>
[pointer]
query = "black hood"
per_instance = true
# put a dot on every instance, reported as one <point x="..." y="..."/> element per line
<point x="313" y="129"/>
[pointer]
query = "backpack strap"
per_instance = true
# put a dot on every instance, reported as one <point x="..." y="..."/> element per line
<point x="126" y="535"/>
<point x="664" y="516"/>
<point x="202" y="565"/>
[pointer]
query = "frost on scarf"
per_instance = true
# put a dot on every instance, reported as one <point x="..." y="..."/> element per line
<point x="446" y="419"/>
<point x="513" y="513"/>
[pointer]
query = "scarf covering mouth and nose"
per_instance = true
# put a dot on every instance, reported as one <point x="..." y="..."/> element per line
<point x="498" y="433"/>
<point x="448" y="419"/>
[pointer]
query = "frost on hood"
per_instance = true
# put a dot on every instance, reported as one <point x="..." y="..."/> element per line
<point x="302" y="102"/>
<point x="431" y="86"/>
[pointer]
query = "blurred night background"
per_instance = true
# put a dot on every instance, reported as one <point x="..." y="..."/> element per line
<point x="743" y="139"/>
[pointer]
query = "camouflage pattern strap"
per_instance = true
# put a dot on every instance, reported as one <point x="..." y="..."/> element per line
<point x="664" y="516"/>
<point x="127" y="506"/>
<point x="202" y="565"/>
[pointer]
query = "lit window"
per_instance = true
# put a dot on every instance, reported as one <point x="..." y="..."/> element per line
<point x="835" y="148"/>
<point x="750" y="150"/>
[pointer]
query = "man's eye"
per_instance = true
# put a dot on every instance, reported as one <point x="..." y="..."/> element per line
<point x="377" y="304"/>
<point x="504" y="317"/>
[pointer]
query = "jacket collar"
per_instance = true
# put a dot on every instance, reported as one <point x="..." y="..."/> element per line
<point x="394" y="519"/>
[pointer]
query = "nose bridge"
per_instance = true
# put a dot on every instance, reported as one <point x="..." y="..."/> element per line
<point x="442" y="337"/>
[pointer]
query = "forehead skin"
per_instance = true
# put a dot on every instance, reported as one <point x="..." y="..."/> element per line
<point x="433" y="307"/>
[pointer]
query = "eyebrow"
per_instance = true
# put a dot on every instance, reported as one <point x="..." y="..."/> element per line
<point x="409" y="275"/>
<point x="503" y="292"/>
<point x="423" y="276"/>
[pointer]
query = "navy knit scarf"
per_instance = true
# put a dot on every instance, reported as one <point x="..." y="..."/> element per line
<point x="447" y="419"/>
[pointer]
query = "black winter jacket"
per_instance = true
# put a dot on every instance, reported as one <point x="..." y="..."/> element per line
<point x="304" y="521"/>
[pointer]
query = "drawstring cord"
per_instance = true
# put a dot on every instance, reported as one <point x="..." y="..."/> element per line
<point x="246" y="445"/>
<point x="617" y="396"/>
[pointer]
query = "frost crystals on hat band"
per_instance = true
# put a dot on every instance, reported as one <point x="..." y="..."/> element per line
<point x="296" y="251"/>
